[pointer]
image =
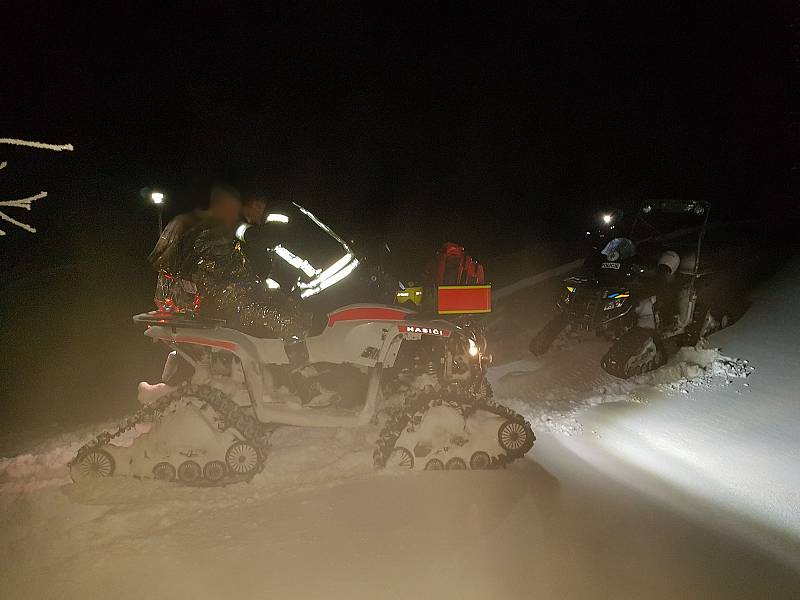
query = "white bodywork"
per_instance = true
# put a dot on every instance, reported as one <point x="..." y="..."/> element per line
<point x="366" y="343"/>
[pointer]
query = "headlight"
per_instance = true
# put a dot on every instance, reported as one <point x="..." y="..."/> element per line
<point x="473" y="347"/>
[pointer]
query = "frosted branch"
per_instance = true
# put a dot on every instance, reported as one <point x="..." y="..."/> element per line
<point x="24" y="226"/>
<point x="40" y="145"/>
<point x="24" y="203"/>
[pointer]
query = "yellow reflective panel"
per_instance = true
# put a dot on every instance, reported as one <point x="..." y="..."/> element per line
<point x="410" y="294"/>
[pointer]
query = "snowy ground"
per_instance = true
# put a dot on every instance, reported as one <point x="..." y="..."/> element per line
<point x="682" y="484"/>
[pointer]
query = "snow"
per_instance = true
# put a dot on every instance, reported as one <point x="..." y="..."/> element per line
<point x="681" y="483"/>
<point x="732" y="443"/>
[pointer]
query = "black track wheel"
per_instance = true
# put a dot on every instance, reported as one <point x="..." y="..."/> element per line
<point x="434" y="464"/>
<point x="93" y="465"/>
<point x="214" y="471"/>
<point x="190" y="472"/>
<point x="164" y="471"/>
<point x="479" y="460"/>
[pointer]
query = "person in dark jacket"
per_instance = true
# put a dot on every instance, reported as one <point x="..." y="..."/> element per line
<point x="204" y="271"/>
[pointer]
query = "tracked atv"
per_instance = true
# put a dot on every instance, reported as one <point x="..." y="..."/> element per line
<point x="416" y="382"/>
<point x="615" y="295"/>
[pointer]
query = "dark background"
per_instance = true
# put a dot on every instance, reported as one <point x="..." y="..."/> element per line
<point x="502" y="128"/>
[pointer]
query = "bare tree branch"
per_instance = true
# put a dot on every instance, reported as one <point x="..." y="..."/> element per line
<point x="25" y="203"/>
<point x="24" y="226"/>
<point x="21" y="203"/>
<point x="40" y="145"/>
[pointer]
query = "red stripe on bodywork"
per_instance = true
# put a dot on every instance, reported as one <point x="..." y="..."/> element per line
<point x="367" y="313"/>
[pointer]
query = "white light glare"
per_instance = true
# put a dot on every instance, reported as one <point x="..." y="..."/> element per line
<point x="277" y="218"/>
<point x="241" y="230"/>
<point x="157" y="197"/>
<point x="335" y="267"/>
<point x="339" y="276"/>
<point x="329" y="272"/>
<point x="473" y="347"/>
<point x="606" y="219"/>
<point x="273" y="285"/>
<point x="334" y="278"/>
<point x="297" y="262"/>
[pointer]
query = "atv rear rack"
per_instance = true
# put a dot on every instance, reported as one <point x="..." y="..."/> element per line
<point x="177" y="320"/>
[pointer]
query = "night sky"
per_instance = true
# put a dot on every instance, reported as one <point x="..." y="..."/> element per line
<point x="490" y="126"/>
<point x="494" y="127"/>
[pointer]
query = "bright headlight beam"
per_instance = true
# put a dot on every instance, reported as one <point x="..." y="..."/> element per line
<point x="473" y="347"/>
<point x="277" y="218"/>
<point x="606" y="219"/>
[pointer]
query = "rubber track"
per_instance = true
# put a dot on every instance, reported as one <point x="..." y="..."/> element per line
<point x="416" y="405"/>
<point x="234" y="416"/>
<point x="618" y="355"/>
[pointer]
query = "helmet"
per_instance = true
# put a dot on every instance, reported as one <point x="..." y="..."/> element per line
<point x="619" y="249"/>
